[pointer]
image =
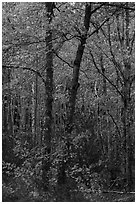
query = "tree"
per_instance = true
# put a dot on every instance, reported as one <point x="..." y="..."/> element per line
<point x="48" y="90"/>
<point x="76" y="68"/>
<point x="125" y="78"/>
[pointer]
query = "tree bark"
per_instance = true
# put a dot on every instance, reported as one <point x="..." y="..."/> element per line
<point x="76" y="68"/>
<point x="49" y="82"/>
<point x="126" y="108"/>
<point x="49" y="94"/>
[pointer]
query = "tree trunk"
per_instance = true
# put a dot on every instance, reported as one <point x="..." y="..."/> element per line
<point x="103" y="71"/>
<point x="126" y="108"/>
<point x="49" y="94"/>
<point x="33" y="113"/>
<point x="36" y="109"/>
<point x="49" y="78"/>
<point x="76" y="68"/>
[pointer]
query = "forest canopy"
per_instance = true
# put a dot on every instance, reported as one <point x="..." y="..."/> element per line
<point x="68" y="101"/>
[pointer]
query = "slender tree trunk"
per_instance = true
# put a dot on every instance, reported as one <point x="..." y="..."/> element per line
<point x="126" y="133"/>
<point x="10" y="114"/>
<point x="49" y="93"/>
<point x="33" y="113"/>
<point x="76" y="68"/>
<point x="75" y="84"/>
<point x="16" y="114"/>
<point x="103" y="71"/>
<point x="126" y="109"/>
<point x="4" y="114"/>
<point x="49" y="78"/>
<point x="36" y="109"/>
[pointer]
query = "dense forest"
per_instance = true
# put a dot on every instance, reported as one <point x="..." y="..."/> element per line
<point x="68" y="105"/>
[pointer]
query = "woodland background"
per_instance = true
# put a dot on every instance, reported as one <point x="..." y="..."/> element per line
<point x="68" y="106"/>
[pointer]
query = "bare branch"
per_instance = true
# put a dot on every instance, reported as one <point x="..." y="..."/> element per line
<point x="63" y="60"/>
<point x="26" y="68"/>
<point x="70" y="64"/>
<point x="117" y="6"/>
<point x="99" y="27"/>
<point x="104" y="75"/>
<point x="112" y="54"/>
<point x="120" y="6"/>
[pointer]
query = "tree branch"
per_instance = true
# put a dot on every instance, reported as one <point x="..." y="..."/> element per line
<point x="114" y="122"/>
<point x="69" y="64"/>
<point x="120" y="6"/>
<point x="107" y="19"/>
<point x="105" y="75"/>
<point x="117" y="6"/>
<point x="26" y="68"/>
<point x="112" y="54"/>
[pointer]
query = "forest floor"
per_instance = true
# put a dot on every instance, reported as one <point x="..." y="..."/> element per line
<point x="113" y="197"/>
<point x="106" y="196"/>
<point x="103" y="197"/>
